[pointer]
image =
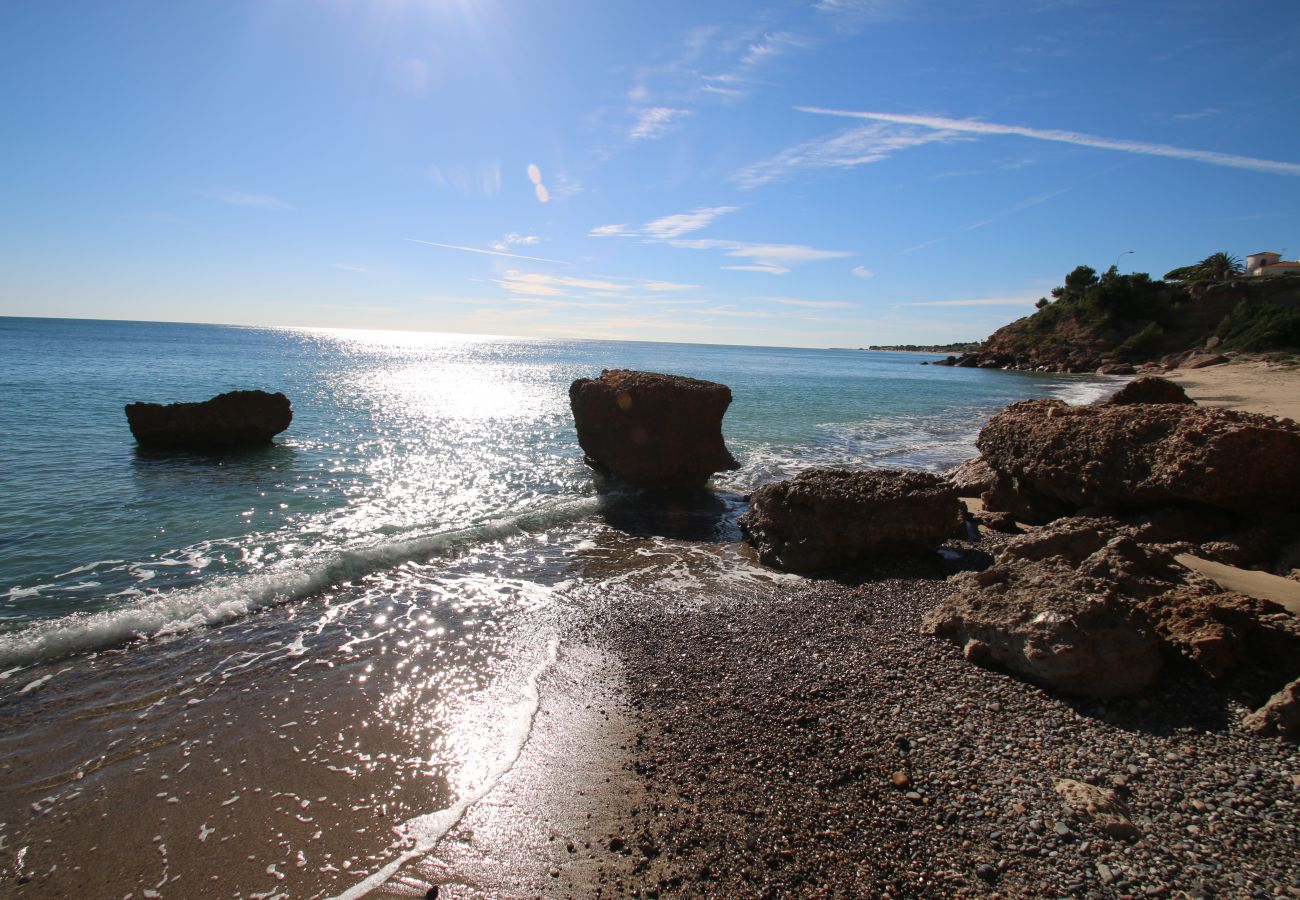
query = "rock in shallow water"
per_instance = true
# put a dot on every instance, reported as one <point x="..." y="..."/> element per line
<point x="824" y="518"/>
<point x="651" y="430"/>
<point x="233" y="419"/>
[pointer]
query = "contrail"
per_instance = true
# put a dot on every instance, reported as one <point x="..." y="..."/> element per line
<point x="488" y="252"/>
<point x="973" y="126"/>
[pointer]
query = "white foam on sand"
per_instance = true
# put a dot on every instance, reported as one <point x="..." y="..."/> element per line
<point x="424" y="832"/>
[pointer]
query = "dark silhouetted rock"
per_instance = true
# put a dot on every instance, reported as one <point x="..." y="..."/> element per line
<point x="824" y="518"/>
<point x="234" y="419"/>
<point x="1065" y="458"/>
<point x="1149" y="389"/>
<point x="971" y="478"/>
<point x="651" y="430"/>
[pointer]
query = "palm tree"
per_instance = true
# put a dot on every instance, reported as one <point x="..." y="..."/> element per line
<point x="1219" y="267"/>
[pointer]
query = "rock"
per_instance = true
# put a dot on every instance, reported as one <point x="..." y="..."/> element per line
<point x="900" y="779"/>
<point x="1213" y="342"/>
<point x="1202" y="360"/>
<point x="971" y="478"/>
<point x="1054" y="457"/>
<point x="1116" y="369"/>
<point x="234" y="419"/>
<point x="1280" y="715"/>
<point x="832" y="517"/>
<point x="1050" y="610"/>
<point x="651" y="430"/>
<point x="1150" y="389"/>
<point x="1101" y="806"/>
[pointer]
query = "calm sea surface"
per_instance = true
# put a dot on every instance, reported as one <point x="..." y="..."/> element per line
<point x="403" y="560"/>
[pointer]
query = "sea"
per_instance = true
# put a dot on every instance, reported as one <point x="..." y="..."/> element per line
<point x="329" y="648"/>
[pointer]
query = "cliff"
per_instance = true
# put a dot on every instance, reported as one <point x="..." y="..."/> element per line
<point x="1114" y="322"/>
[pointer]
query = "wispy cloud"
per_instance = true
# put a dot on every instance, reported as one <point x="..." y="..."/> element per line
<point x="863" y="272"/>
<point x="487" y="252"/>
<point x="973" y="126"/>
<point x="1018" y="300"/>
<point x="853" y="15"/>
<point x="656" y="121"/>
<point x="810" y="304"/>
<point x="349" y="268"/>
<point x="482" y="179"/>
<point x="524" y="285"/>
<point x="515" y="239"/>
<point x="775" y="259"/>
<point x="1205" y="113"/>
<point x="670" y="227"/>
<point x="845" y="150"/>
<point x="246" y="199"/>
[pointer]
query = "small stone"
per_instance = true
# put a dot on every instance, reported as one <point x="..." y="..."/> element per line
<point x="1104" y="873"/>
<point x="913" y="796"/>
<point x="555" y="873"/>
<point x="900" y="779"/>
<point x="986" y="872"/>
<point x="1062" y="830"/>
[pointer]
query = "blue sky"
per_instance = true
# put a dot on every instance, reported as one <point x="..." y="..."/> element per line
<point x="819" y="173"/>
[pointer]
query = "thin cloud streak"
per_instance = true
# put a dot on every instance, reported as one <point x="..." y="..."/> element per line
<point x="973" y="126"/>
<point x="487" y="252"/>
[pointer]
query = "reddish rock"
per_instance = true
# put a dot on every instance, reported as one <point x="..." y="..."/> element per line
<point x="234" y="419"/>
<point x="1133" y="456"/>
<point x="1050" y="610"/>
<point x="651" y="430"/>
<point x="971" y="478"/>
<point x="1280" y="715"/>
<point x="1150" y="389"/>
<point x="824" y="518"/>
<point x="1203" y="361"/>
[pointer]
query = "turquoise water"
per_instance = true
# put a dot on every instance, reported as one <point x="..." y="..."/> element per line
<point x="368" y="615"/>
<point x="402" y="446"/>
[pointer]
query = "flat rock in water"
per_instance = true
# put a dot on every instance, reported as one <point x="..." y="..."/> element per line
<point x="234" y="419"/>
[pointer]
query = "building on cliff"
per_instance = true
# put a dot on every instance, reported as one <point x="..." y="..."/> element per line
<point x="1266" y="262"/>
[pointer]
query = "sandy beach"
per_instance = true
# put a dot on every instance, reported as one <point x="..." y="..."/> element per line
<point x="1252" y="385"/>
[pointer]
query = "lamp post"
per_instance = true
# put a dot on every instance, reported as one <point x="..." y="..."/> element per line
<point x="1115" y="264"/>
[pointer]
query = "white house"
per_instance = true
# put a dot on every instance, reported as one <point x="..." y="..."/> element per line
<point x="1266" y="262"/>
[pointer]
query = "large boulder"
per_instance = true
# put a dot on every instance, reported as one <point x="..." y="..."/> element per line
<point x="823" y="518"/>
<point x="1149" y="389"/>
<point x="234" y="419"/>
<point x="1082" y="607"/>
<point x="1061" y="458"/>
<point x="1039" y="615"/>
<point x="650" y="430"/>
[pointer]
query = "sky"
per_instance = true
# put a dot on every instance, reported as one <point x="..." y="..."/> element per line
<point x="823" y="173"/>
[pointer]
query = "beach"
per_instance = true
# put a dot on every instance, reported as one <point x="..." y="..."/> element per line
<point x="588" y="696"/>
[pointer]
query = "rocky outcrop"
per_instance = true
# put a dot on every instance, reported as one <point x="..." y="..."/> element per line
<point x="1149" y="389"/>
<point x="825" y="518"/>
<point x="234" y="419"/>
<point x="1082" y="607"/>
<point x="1280" y="715"/>
<point x="1038" y="614"/>
<point x="1052" y="458"/>
<point x="971" y="478"/>
<point x="650" y="430"/>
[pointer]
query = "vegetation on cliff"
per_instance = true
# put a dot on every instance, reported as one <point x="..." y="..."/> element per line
<point x="1093" y="321"/>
